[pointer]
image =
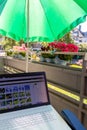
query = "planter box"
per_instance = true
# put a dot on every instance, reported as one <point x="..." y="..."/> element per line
<point x="61" y="75"/>
<point x="1" y="64"/>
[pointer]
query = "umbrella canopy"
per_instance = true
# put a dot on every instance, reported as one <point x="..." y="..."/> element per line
<point x="2" y="4"/>
<point x="40" y="20"/>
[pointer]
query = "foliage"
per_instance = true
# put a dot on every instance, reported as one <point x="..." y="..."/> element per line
<point x="67" y="38"/>
<point x="65" y="57"/>
<point x="62" y="47"/>
<point x="48" y="55"/>
<point x="9" y="53"/>
<point x="44" y="46"/>
<point x="8" y="43"/>
<point x="0" y="36"/>
<point x="22" y="54"/>
<point x="82" y="47"/>
<point x="16" y="54"/>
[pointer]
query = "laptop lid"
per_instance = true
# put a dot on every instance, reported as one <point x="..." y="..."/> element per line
<point x="24" y="90"/>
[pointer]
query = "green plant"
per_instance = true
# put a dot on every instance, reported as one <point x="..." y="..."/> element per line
<point x="67" y="38"/>
<point x="22" y="53"/>
<point x="15" y="54"/>
<point x="82" y="47"/>
<point x="48" y="55"/>
<point x="63" y="47"/>
<point x="9" y="53"/>
<point x="8" y="43"/>
<point x="65" y="57"/>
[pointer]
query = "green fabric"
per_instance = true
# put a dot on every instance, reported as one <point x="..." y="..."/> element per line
<point x="2" y="4"/>
<point x="48" y="20"/>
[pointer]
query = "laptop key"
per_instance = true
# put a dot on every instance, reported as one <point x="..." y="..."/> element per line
<point x="27" y="120"/>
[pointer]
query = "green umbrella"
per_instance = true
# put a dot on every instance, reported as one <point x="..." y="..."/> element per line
<point x="41" y="20"/>
<point x="2" y="4"/>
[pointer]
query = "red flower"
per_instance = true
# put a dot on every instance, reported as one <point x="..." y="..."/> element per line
<point x="52" y="45"/>
<point x="61" y="46"/>
<point x="72" y="48"/>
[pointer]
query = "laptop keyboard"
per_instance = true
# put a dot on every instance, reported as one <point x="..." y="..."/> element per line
<point x="26" y="120"/>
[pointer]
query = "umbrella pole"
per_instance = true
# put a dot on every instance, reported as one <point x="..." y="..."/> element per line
<point x="27" y="59"/>
<point x="27" y="52"/>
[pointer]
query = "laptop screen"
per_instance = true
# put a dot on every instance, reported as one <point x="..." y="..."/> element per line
<point x="24" y="90"/>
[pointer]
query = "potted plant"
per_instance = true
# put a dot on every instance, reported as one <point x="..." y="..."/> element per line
<point x="63" y="47"/>
<point x="48" y="57"/>
<point x="59" y="47"/>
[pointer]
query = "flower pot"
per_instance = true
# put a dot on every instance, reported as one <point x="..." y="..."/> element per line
<point x="63" y="62"/>
<point x="56" y="60"/>
<point x="42" y="59"/>
<point x="49" y="60"/>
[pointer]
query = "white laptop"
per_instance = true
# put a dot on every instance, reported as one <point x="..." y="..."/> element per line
<point x="25" y="105"/>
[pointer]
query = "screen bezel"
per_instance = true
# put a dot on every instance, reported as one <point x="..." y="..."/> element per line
<point x="23" y="75"/>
